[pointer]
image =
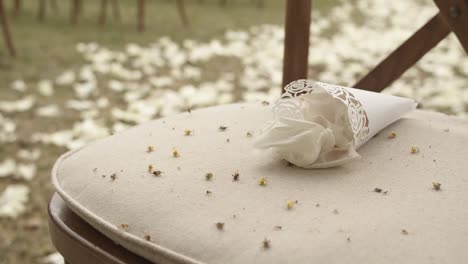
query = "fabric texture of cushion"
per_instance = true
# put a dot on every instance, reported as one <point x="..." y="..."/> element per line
<point x="337" y="215"/>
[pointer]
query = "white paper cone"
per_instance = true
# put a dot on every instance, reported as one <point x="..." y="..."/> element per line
<point x="319" y="125"/>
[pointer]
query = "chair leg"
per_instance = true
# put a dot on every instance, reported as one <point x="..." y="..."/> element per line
<point x="6" y="30"/>
<point x="296" y="42"/>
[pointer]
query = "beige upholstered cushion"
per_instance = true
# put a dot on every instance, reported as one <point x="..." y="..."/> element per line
<point x="339" y="218"/>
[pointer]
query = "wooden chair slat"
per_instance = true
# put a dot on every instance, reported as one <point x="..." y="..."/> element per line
<point x="296" y="42"/>
<point x="392" y="67"/>
<point x="455" y="14"/>
<point x="78" y="242"/>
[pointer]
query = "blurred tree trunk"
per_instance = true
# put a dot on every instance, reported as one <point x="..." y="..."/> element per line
<point x="116" y="10"/>
<point x="141" y="15"/>
<point x="259" y="3"/>
<point x="6" y="30"/>
<point x="41" y="10"/>
<point x="54" y="5"/>
<point x="16" y="7"/>
<point x="75" y="11"/>
<point x="103" y="15"/>
<point x="182" y="12"/>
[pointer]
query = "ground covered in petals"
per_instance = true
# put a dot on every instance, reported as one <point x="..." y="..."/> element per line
<point x="104" y="88"/>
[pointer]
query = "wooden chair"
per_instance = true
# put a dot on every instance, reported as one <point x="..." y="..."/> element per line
<point x="79" y="243"/>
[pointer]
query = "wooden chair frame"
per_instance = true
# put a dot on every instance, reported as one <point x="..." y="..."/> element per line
<point x="452" y="17"/>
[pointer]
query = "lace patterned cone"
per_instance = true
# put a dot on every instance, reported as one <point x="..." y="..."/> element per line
<point x="319" y="125"/>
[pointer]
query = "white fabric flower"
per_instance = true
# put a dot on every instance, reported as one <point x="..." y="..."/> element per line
<point x="323" y="138"/>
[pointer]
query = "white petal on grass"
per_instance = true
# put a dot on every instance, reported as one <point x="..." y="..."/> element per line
<point x="7" y="168"/>
<point x="21" y="105"/>
<point x="7" y="130"/>
<point x="26" y="171"/>
<point x="116" y="86"/>
<point x="60" y="138"/>
<point x="225" y="98"/>
<point x="84" y="89"/>
<point x="102" y="102"/>
<point x="161" y="81"/>
<point x="29" y="155"/>
<point x="48" y="111"/>
<point x="45" y="88"/>
<point x="79" y="105"/>
<point x="19" y="85"/>
<point x="66" y="78"/>
<point x="54" y="258"/>
<point x="119" y="127"/>
<point x="13" y="201"/>
<point x="89" y="129"/>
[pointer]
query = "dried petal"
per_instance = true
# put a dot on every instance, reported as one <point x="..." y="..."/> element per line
<point x="209" y="176"/>
<point x="266" y="243"/>
<point x="175" y="153"/>
<point x="220" y="226"/>
<point x="157" y="173"/>
<point x="235" y="176"/>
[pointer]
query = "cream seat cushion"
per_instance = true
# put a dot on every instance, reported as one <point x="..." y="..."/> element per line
<point x="338" y="218"/>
